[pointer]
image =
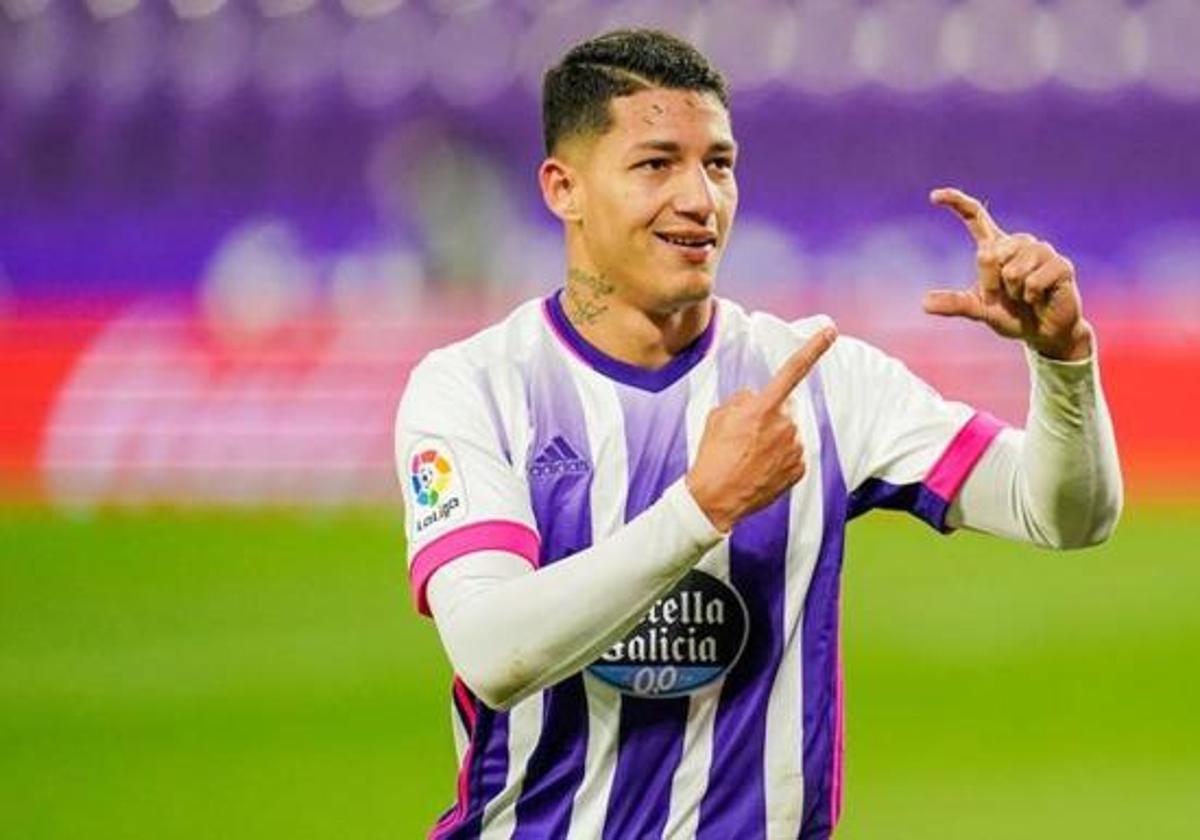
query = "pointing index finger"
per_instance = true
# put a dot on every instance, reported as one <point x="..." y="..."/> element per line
<point x="971" y="211"/>
<point x="797" y="366"/>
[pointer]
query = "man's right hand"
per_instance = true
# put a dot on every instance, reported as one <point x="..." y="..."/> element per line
<point x="751" y="450"/>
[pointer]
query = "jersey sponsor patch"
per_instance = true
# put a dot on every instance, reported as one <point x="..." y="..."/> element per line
<point x="435" y="487"/>
<point x="690" y="637"/>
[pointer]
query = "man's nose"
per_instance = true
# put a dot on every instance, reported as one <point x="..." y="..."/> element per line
<point x="696" y="196"/>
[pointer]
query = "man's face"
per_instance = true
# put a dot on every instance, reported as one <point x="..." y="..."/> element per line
<point x="658" y="196"/>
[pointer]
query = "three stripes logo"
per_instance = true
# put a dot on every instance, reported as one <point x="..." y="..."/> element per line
<point x="557" y="458"/>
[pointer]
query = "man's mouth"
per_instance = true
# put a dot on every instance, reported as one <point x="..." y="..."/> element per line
<point x="695" y="247"/>
<point x="688" y="240"/>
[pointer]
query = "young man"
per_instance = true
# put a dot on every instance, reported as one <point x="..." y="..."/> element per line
<point x="626" y="502"/>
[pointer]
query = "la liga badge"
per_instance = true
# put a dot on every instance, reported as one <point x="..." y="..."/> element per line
<point x="435" y="486"/>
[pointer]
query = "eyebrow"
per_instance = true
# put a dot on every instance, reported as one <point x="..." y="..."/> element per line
<point x="671" y="147"/>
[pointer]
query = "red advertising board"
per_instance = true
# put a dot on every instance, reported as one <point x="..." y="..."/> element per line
<point x="148" y="405"/>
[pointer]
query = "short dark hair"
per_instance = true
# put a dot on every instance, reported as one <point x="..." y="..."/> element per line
<point x="577" y="90"/>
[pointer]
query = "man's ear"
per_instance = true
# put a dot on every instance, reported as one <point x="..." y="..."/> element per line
<point x="560" y="188"/>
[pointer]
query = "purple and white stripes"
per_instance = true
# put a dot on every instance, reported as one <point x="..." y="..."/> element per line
<point x="651" y="730"/>
<point x="762" y="751"/>
<point x="562" y="508"/>
<point x="734" y="803"/>
<point x="821" y="645"/>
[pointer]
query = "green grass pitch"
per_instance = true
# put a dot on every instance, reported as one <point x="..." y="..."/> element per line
<point x="258" y="675"/>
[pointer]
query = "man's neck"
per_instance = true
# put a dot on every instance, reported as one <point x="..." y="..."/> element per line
<point x="626" y="331"/>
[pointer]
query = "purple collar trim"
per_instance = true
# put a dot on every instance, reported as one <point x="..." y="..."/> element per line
<point x="639" y="377"/>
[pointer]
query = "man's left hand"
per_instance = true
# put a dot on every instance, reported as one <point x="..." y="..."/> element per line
<point x="1024" y="288"/>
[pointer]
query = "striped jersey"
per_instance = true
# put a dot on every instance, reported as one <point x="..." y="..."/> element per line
<point x="720" y="715"/>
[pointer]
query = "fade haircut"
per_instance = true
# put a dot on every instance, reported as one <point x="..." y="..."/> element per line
<point x="577" y="90"/>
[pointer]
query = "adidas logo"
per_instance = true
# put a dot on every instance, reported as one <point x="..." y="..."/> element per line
<point x="557" y="458"/>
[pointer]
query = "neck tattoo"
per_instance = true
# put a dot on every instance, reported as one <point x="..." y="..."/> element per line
<point x="584" y="301"/>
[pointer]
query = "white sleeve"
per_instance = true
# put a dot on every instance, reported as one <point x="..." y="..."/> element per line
<point x="901" y="444"/>
<point x="510" y="631"/>
<point x="462" y="494"/>
<point x="1058" y="482"/>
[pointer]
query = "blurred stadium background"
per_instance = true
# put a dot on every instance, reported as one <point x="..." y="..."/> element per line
<point x="228" y="229"/>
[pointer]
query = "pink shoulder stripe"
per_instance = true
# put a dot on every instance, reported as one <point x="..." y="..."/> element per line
<point x="489" y="535"/>
<point x="960" y="457"/>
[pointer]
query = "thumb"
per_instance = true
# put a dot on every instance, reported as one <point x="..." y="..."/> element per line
<point x="953" y="303"/>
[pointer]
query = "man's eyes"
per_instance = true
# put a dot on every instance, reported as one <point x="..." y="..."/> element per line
<point x="655" y="164"/>
<point x="662" y="164"/>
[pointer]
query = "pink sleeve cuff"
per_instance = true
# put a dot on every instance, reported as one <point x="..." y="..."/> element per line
<point x="961" y="456"/>
<point x="489" y="535"/>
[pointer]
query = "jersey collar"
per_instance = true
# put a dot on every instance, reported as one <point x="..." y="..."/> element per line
<point x="646" y="379"/>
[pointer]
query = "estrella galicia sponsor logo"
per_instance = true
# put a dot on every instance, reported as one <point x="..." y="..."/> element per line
<point x="557" y="458"/>
<point x="690" y="637"/>
<point x="435" y="484"/>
